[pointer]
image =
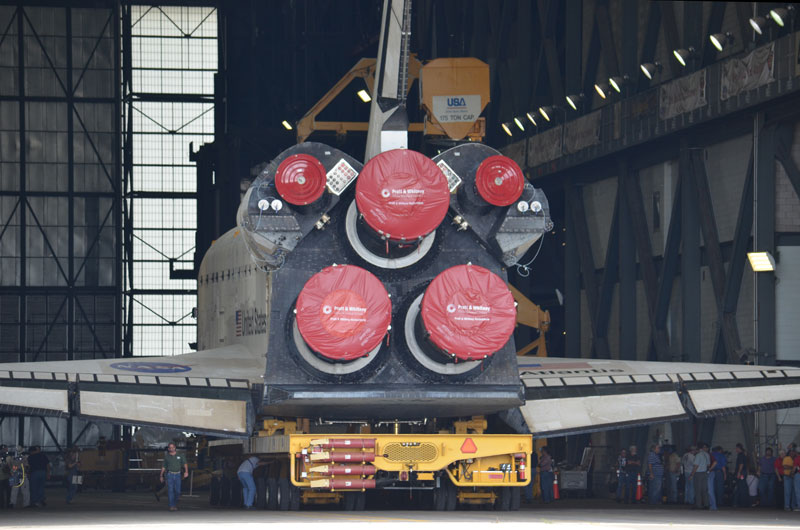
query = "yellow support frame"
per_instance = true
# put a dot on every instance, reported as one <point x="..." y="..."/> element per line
<point x="480" y="468"/>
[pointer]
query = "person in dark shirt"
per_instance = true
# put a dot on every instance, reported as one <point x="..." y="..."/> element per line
<point x="655" y="472"/>
<point x="741" y="494"/>
<point x="40" y="471"/>
<point x="633" y="467"/>
<point x="546" y="475"/>
<point x="766" y="478"/>
<point x="717" y="475"/>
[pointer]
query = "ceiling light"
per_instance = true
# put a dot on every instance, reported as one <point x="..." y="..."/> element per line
<point x="507" y="129"/>
<point x="519" y="124"/>
<point x="601" y="89"/>
<point x="531" y="118"/>
<point x="780" y="15"/>
<point x="364" y="95"/>
<point x="719" y="40"/>
<point x="650" y="69"/>
<point x="286" y="125"/>
<point x="574" y="100"/>
<point x="758" y="24"/>
<point x="683" y="55"/>
<point x="544" y="112"/>
<point x="761" y="261"/>
<point x="616" y="82"/>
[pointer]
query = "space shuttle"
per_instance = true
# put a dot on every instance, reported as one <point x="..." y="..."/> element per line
<point x="374" y="291"/>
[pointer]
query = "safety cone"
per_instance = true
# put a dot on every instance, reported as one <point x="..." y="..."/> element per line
<point x="639" y="493"/>
<point x="556" y="496"/>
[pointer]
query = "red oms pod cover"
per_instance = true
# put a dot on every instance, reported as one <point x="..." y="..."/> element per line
<point x="402" y="194"/>
<point x="300" y="179"/>
<point x="469" y="312"/>
<point x="343" y="312"/>
<point x="499" y="180"/>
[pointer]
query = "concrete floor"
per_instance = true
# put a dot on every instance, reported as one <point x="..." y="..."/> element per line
<point x="98" y="510"/>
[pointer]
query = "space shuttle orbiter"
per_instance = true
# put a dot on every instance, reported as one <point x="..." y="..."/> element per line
<point x="377" y="291"/>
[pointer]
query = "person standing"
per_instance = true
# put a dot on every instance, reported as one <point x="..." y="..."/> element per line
<point x="632" y="468"/>
<point x="5" y="475"/>
<point x="702" y="461"/>
<point x="245" y="474"/>
<point x="796" y="480"/>
<point x="673" y="464"/>
<point x="766" y="478"/>
<point x="622" y="459"/>
<point x="787" y="465"/>
<point x="717" y="474"/>
<point x="741" y="492"/>
<point x="687" y="463"/>
<point x="72" y="463"/>
<point x="20" y="475"/>
<point x="173" y="463"/>
<point x="546" y="475"/>
<point x="39" y="466"/>
<point x="655" y="469"/>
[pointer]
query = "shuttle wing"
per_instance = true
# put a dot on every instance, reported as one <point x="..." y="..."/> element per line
<point x="209" y="391"/>
<point x="570" y="396"/>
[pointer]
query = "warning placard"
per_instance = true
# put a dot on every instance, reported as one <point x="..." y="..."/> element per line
<point x="453" y="180"/>
<point x="340" y="177"/>
<point x="457" y="108"/>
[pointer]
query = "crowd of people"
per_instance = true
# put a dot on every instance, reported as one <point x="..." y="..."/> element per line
<point x="708" y="478"/>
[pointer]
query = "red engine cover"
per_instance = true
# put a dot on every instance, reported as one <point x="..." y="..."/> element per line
<point x="499" y="180"/>
<point x="343" y="312"/>
<point x="300" y="179"/>
<point x="469" y="312"/>
<point x="402" y="194"/>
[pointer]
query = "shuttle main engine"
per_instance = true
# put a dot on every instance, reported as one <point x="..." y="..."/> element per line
<point x="389" y="280"/>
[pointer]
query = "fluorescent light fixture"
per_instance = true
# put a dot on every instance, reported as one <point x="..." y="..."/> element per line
<point x="683" y="55"/>
<point x="601" y="89"/>
<point x="574" y="100"/>
<point x="286" y="125"/>
<point x="531" y="118"/>
<point x="719" y="40"/>
<point x="761" y="261"/>
<point x="780" y="15"/>
<point x="758" y="24"/>
<point x="364" y="95"/>
<point x="519" y="124"/>
<point x="616" y="82"/>
<point x="650" y="69"/>
<point x="507" y="129"/>
<point x="544" y="112"/>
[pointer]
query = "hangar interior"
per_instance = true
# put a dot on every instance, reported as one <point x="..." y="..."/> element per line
<point x="129" y="131"/>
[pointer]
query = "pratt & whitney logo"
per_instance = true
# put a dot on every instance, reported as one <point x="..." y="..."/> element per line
<point x="250" y="322"/>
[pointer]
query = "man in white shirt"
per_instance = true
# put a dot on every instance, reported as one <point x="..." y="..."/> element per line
<point x="245" y="474"/>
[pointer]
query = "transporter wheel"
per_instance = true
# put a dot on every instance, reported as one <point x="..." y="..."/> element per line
<point x="261" y="493"/>
<point x="440" y="498"/>
<point x="503" y="502"/>
<point x="295" y="497"/>
<point x="361" y="501"/>
<point x="284" y="495"/>
<point x="516" y="498"/>
<point x="451" y="496"/>
<point x="272" y="493"/>
<point x="349" y="501"/>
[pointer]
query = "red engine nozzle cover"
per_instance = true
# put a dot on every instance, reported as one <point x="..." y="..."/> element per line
<point x="402" y="194"/>
<point x="499" y="180"/>
<point x="301" y="179"/>
<point x="469" y="312"/>
<point x="343" y="312"/>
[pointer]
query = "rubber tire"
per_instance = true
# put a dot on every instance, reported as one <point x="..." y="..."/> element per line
<point x="349" y="501"/>
<point x="452" y="496"/>
<point x="261" y="493"/>
<point x="516" y="498"/>
<point x="503" y="502"/>
<point x="284" y="494"/>
<point x="361" y="501"/>
<point x="295" y="499"/>
<point x="440" y="497"/>
<point x="213" y="496"/>
<point x="272" y="493"/>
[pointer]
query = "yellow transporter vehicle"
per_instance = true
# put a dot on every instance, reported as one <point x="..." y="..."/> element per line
<point x="460" y="466"/>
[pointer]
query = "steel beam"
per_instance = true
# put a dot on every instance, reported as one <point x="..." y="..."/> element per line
<point x="606" y="37"/>
<point x="690" y="265"/>
<point x="644" y="249"/>
<point x="572" y="286"/>
<point x="610" y="274"/>
<point x="764" y="232"/>
<point x="627" y="273"/>
<point x="573" y="45"/>
<point x="577" y="211"/>
<point x="785" y="137"/>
